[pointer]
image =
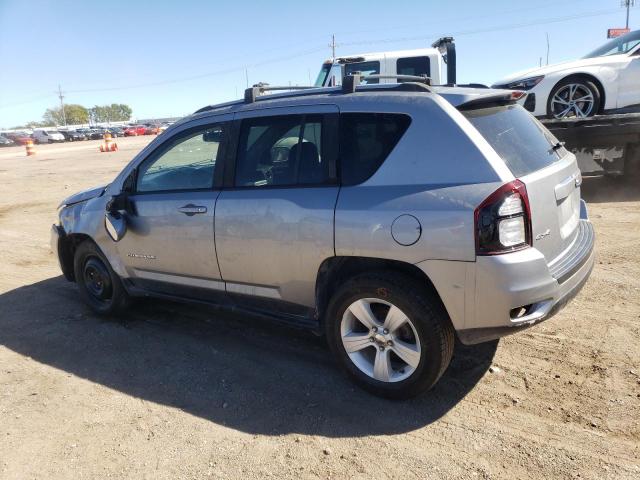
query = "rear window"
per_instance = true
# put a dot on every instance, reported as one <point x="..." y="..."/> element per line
<point x="413" y="66"/>
<point x="366" y="139"/>
<point x="522" y="142"/>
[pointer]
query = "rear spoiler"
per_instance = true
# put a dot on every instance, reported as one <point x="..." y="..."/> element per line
<point x="494" y="99"/>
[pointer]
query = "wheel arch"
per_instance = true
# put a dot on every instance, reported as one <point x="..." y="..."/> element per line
<point x="334" y="271"/>
<point x="588" y="76"/>
<point x="67" y="247"/>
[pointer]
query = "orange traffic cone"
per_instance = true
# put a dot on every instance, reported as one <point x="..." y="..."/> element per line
<point x="109" y="144"/>
<point x="31" y="150"/>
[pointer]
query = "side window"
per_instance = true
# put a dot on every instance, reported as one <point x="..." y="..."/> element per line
<point x="365" y="68"/>
<point x="413" y="66"/>
<point x="366" y="139"/>
<point x="279" y="151"/>
<point x="188" y="163"/>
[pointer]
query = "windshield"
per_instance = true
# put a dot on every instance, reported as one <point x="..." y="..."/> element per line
<point x="520" y="140"/>
<point x="617" y="46"/>
<point x="322" y="76"/>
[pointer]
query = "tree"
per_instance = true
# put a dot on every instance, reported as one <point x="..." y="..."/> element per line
<point x="73" y="113"/>
<point x="116" y="112"/>
<point x="121" y="112"/>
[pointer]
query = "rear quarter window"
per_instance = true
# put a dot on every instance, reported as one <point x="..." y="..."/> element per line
<point x="522" y="142"/>
<point x="366" y="140"/>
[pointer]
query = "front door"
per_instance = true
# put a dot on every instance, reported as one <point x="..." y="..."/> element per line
<point x="629" y="82"/>
<point x="274" y="222"/>
<point x="169" y="241"/>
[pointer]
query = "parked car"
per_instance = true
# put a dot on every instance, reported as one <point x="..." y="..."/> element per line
<point x="96" y="133"/>
<point x="116" y="131"/>
<point x="135" y="130"/>
<point x="152" y="130"/>
<point x="6" y="142"/>
<point x="21" y="138"/>
<point x="604" y="80"/>
<point x="392" y="221"/>
<point x="73" y="135"/>
<point x="47" y="136"/>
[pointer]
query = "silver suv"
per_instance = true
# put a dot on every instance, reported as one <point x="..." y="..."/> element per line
<point x="390" y="218"/>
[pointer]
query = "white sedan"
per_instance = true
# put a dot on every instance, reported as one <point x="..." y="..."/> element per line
<point x="604" y="80"/>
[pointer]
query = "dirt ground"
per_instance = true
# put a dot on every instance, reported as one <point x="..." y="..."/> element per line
<point x="173" y="391"/>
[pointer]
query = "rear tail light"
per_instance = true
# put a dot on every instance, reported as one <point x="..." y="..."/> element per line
<point x="503" y="221"/>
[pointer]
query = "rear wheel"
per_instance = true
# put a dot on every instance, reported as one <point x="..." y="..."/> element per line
<point x="574" y="97"/>
<point x="391" y="335"/>
<point x="99" y="285"/>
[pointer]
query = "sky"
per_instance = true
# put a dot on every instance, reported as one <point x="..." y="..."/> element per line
<point x="168" y="58"/>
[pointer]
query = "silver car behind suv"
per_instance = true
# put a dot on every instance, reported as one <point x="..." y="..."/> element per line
<point x="391" y="218"/>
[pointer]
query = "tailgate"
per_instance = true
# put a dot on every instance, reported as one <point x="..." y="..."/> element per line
<point x="549" y="172"/>
<point x="554" y="198"/>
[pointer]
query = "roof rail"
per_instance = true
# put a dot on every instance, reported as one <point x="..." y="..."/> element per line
<point x="250" y="94"/>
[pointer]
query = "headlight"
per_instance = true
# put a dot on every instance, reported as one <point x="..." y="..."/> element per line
<point x="525" y="84"/>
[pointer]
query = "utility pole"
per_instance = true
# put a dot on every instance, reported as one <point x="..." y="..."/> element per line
<point x="333" y="46"/>
<point x="628" y="4"/>
<point x="61" y="97"/>
<point x="547" y="48"/>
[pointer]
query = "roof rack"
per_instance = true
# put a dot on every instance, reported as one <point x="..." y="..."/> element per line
<point x="350" y="82"/>
<point x="250" y="94"/>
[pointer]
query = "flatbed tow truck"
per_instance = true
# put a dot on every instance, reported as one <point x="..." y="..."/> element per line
<point x="605" y="145"/>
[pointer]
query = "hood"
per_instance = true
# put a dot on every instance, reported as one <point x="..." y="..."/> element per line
<point x="546" y="70"/>
<point x="83" y="196"/>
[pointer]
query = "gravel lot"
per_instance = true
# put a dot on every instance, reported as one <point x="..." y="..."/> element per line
<point x="173" y="391"/>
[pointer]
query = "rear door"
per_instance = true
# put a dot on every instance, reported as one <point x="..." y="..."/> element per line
<point x="549" y="172"/>
<point x="274" y="219"/>
<point x="169" y="241"/>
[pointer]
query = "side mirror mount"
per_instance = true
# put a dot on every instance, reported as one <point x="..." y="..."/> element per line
<point x="115" y="221"/>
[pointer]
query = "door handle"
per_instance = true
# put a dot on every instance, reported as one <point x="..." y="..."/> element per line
<point x="191" y="209"/>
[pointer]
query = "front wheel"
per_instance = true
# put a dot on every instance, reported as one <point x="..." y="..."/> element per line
<point x="99" y="285"/>
<point x="391" y="335"/>
<point x="575" y="97"/>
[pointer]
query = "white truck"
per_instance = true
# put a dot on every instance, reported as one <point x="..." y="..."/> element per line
<point x="437" y="63"/>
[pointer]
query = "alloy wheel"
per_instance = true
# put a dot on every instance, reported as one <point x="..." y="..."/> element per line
<point x="380" y="340"/>
<point x="572" y="100"/>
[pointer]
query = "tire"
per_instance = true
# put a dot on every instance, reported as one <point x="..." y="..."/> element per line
<point x="428" y="331"/>
<point x="105" y="293"/>
<point x="567" y="91"/>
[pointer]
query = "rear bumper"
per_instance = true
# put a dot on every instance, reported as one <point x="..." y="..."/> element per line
<point x="519" y="290"/>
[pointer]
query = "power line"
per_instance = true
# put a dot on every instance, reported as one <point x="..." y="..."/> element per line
<point x="333" y="46"/>
<point x="484" y="30"/>
<point x="458" y="19"/>
<point x="203" y="75"/>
